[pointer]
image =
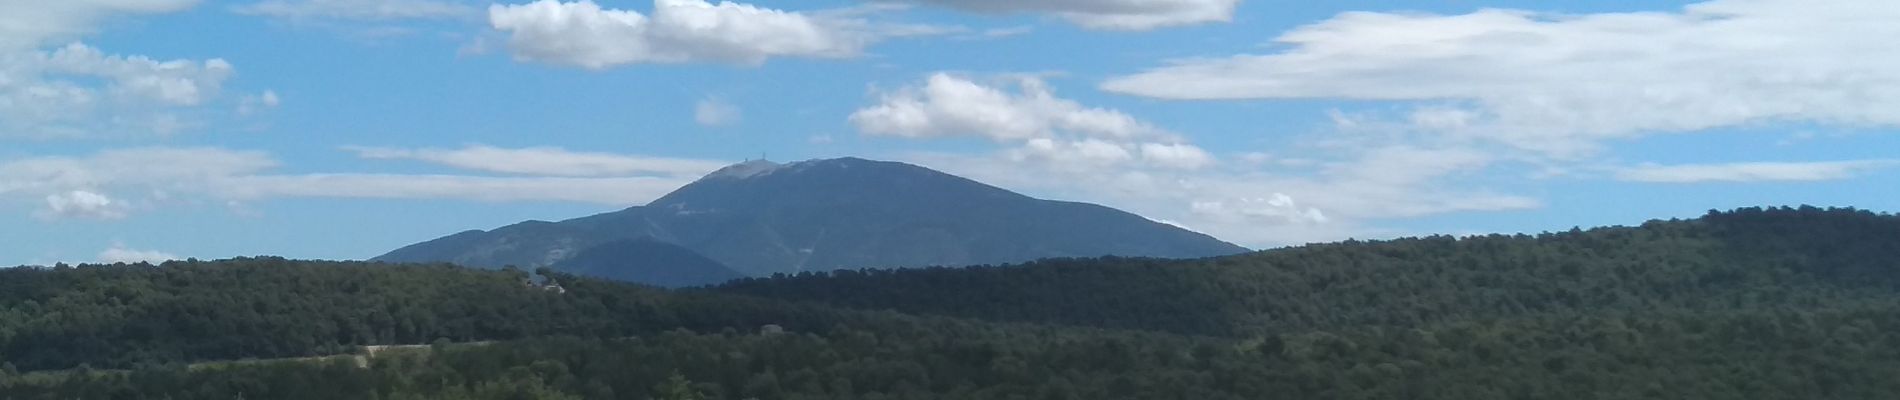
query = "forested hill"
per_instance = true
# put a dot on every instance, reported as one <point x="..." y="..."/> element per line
<point x="1751" y="304"/>
<point x="1747" y="259"/>
<point x="131" y="315"/>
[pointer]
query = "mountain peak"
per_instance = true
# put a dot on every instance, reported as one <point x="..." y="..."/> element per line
<point x="839" y="182"/>
<point x="747" y="169"/>
<point x="760" y="217"/>
<point x="760" y="167"/>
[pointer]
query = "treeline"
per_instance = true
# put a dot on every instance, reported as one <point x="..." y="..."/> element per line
<point x="1749" y="259"/>
<point x="132" y="315"/>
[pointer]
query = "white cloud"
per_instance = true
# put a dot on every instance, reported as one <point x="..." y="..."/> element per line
<point x="75" y="90"/>
<point x="1492" y="88"/>
<point x="1365" y="183"/>
<point x="585" y="35"/>
<point x="368" y="21"/>
<point x="1176" y="155"/>
<point x="1044" y="127"/>
<point x="1348" y="194"/>
<point x="1279" y="208"/>
<point x="613" y="191"/>
<point x="1751" y="171"/>
<point x="170" y="169"/>
<point x="1055" y="147"/>
<point x="948" y="105"/>
<point x="1080" y="153"/>
<point x="1126" y="15"/>
<point x="1559" y="84"/>
<point x="82" y="204"/>
<point x="78" y="90"/>
<point x="75" y="186"/>
<point x="31" y="24"/>
<point x="544" y="161"/>
<point x="254" y="103"/>
<point x="357" y="9"/>
<point x="1006" y="32"/>
<point x="119" y="254"/>
<point x="715" y="112"/>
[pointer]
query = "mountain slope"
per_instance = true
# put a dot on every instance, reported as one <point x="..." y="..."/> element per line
<point x="526" y="244"/>
<point x="649" y="262"/>
<point x="761" y="218"/>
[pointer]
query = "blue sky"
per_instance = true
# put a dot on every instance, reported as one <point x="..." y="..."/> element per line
<point x="340" y="129"/>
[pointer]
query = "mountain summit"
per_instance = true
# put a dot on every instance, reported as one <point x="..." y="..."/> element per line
<point x="759" y="218"/>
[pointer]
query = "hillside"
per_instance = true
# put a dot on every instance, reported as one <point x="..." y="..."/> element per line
<point x="1756" y="303"/>
<point x="649" y="262"/>
<point x="761" y="218"/>
<point x="1746" y="259"/>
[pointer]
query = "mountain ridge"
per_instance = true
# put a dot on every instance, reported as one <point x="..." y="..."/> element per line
<point x="760" y="218"/>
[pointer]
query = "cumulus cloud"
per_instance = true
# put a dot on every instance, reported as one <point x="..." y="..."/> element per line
<point x="82" y="204"/>
<point x="1752" y="171"/>
<point x="1343" y="196"/>
<point x="715" y="112"/>
<point x="119" y="254"/>
<point x="948" y="105"/>
<point x="1345" y="183"/>
<point x="1056" y="147"/>
<point x="585" y="35"/>
<point x="76" y="90"/>
<point x="1460" y="97"/>
<point x="544" y="161"/>
<point x="1559" y="84"/>
<point x="1026" y="113"/>
<point x="297" y="10"/>
<point x="1126" y="15"/>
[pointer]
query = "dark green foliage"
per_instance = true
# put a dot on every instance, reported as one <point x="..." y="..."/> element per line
<point x="1744" y="260"/>
<point x="1752" y="304"/>
<point x="130" y="315"/>
<point x="1792" y="355"/>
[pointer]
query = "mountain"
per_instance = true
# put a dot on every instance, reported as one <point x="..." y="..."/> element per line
<point x="647" y="261"/>
<point x="760" y="218"/>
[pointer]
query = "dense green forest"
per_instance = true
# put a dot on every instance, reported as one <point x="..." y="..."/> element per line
<point x="1793" y="355"/>
<point x="1748" y="259"/>
<point x="131" y="315"/>
<point x="1777" y="303"/>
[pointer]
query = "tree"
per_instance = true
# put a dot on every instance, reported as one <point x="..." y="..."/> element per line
<point x="676" y="387"/>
